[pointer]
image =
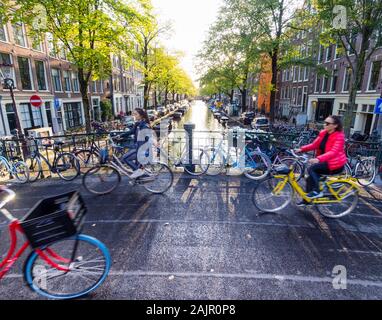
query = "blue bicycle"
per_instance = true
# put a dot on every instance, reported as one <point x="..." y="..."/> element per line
<point x="14" y="168"/>
<point x="255" y="164"/>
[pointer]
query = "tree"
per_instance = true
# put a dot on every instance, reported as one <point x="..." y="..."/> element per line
<point x="89" y="30"/>
<point x="364" y="20"/>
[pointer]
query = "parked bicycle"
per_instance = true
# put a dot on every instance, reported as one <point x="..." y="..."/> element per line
<point x="63" y="263"/>
<point x="14" y="168"/>
<point x="255" y="164"/>
<point x="64" y="164"/>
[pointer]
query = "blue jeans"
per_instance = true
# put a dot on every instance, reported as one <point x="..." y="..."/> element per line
<point x="130" y="159"/>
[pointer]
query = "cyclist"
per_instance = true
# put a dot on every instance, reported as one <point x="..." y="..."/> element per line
<point x="330" y="156"/>
<point x="130" y="158"/>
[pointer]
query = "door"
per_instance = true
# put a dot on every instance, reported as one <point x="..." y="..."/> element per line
<point x="369" y="121"/>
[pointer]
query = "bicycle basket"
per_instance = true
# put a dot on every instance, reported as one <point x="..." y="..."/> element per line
<point x="54" y="219"/>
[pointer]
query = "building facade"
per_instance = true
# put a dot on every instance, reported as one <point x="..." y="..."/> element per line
<point x="41" y="67"/>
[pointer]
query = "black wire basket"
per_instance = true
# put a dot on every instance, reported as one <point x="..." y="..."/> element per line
<point x="54" y="218"/>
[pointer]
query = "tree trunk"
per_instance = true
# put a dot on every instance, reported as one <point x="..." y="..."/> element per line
<point x="274" y="85"/>
<point x="85" y="98"/>
<point x="244" y="100"/>
<point x="165" y="96"/>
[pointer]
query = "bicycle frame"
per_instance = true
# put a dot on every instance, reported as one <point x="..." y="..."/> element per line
<point x="12" y="257"/>
<point x="7" y="164"/>
<point x="290" y="178"/>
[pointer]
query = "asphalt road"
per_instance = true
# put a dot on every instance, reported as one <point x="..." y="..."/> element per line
<point x="204" y="239"/>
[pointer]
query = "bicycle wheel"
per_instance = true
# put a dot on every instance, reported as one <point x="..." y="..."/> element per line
<point x="87" y="271"/>
<point x="200" y="164"/>
<point x="101" y="180"/>
<point x="35" y="168"/>
<point x="216" y="162"/>
<point x="87" y="159"/>
<point x="67" y="166"/>
<point x="298" y="167"/>
<point x="365" y="172"/>
<point x="349" y="200"/>
<point x="160" y="178"/>
<point x="258" y="166"/>
<point x="21" y="171"/>
<point x="272" y="195"/>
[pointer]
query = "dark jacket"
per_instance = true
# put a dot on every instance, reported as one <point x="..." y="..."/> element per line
<point x="138" y="126"/>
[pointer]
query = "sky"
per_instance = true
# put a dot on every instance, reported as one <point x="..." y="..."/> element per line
<point x="190" y="22"/>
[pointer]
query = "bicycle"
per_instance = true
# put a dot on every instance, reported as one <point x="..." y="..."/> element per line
<point x="200" y="161"/>
<point x="64" y="164"/>
<point x="257" y="165"/>
<point x="364" y="170"/>
<point x="63" y="264"/>
<point x="276" y="193"/>
<point x="105" y="177"/>
<point x="14" y="168"/>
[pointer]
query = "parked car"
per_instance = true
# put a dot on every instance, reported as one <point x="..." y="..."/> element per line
<point x="129" y="121"/>
<point x="260" y="123"/>
<point x="247" y="117"/>
<point x="152" y="114"/>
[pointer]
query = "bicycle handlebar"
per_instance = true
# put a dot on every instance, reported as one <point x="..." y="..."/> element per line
<point x="303" y="158"/>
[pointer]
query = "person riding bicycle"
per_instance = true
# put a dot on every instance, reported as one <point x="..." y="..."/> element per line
<point x="130" y="158"/>
<point x="330" y="156"/>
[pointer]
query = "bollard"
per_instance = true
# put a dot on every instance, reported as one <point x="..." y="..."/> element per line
<point x="189" y="128"/>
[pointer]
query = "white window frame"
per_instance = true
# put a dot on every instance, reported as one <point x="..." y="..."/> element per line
<point x="45" y="75"/>
<point x="24" y="36"/>
<point x="59" y="76"/>
<point x="331" y="82"/>
<point x="30" y="74"/>
<point x="327" y="53"/>
<point x="5" y="33"/>
<point x="344" y="81"/>
<point x="64" y="82"/>
<point x="72" y="78"/>
<point x="370" y="73"/>
<point x="315" y="85"/>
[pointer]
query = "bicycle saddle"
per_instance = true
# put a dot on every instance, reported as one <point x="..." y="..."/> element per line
<point x="282" y="169"/>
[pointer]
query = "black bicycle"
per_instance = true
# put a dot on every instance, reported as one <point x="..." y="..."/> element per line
<point x="64" y="164"/>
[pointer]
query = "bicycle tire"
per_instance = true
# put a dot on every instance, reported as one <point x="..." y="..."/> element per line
<point x="87" y="159"/>
<point x="365" y="167"/>
<point x="21" y="171"/>
<point x="216" y="162"/>
<point x="67" y="163"/>
<point x="298" y="167"/>
<point x="157" y="169"/>
<point x="35" y="168"/>
<point x="200" y="168"/>
<point x="264" y="196"/>
<point x="342" y="188"/>
<point x="35" y="266"/>
<point x="262" y="165"/>
<point x="99" y="174"/>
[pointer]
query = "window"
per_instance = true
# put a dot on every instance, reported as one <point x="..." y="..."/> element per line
<point x="76" y="87"/>
<point x="328" y="54"/>
<point x="374" y="75"/>
<point x="19" y="34"/>
<point x="359" y="86"/>
<point x="25" y="73"/>
<point x="348" y="73"/>
<point x="30" y="117"/>
<point x="94" y="86"/>
<point x="56" y="79"/>
<point x="364" y="108"/>
<point x="101" y="86"/>
<point x="294" y="96"/>
<point x="40" y="73"/>
<point x="306" y="74"/>
<point x="48" y="114"/>
<point x="62" y="51"/>
<point x="299" y="97"/>
<point x="321" y="54"/>
<point x="325" y="83"/>
<point x="3" y="32"/>
<point x="9" y="72"/>
<point x="52" y="48"/>
<point x="304" y="98"/>
<point x="73" y="115"/>
<point x="300" y="74"/>
<point x="96" y="114"/>
<point x="318" y="84"/>
<point x="36" y="43"/>
<point x="295" y="74"/>
<point x="67" y="85"/>
<point x="338" y="49"/>
<point x="333" y="85"/>
<point x="11" y="116"/>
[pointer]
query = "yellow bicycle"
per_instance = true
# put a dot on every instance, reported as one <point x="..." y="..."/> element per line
<point x="276" y="193"/>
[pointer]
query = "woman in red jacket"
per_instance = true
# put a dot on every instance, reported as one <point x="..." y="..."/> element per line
<point x="330" y="155"/>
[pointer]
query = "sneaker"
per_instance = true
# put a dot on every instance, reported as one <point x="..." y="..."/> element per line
<point x="137" y="173"/>
<point x="315" y="195"/>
